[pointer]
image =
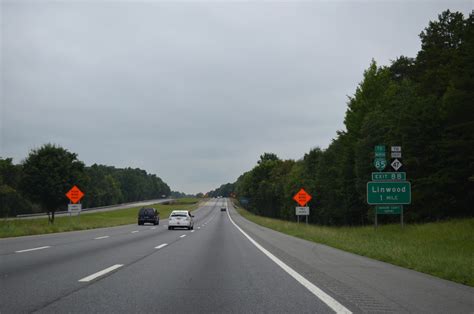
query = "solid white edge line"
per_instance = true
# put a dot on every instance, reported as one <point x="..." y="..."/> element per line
<point x="33" y="249"/>
<point x="182" y="236"/>
<point x="323" y="296"/>
<point x="100" y="238"/>
<point x="161" y="246"/>
<point x="100" y="273"/>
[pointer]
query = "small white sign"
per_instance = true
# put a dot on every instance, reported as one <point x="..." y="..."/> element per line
<point x="396" y="155"/>
<point x="396" y="148"/>
<point x="396" y="164"/>
<point x="302" y="211"/>
<point x="74" y="207"/>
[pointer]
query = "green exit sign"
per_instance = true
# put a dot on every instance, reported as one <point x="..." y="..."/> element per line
<point x="386" y="193"/>
<point x="389" y="209"/>
<point x="389" y="176"/>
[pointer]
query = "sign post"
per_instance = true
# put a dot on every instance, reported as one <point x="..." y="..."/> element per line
<point x="302" y="198"/>
<point x="302" y="211"/>
<point x="74" y="195"/>
<point x="389" y="191"/>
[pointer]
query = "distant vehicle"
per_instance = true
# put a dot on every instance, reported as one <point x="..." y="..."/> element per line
<point x="223" y="209"/>
<point x="181" y="219"/>
<point x="148" y="214"/>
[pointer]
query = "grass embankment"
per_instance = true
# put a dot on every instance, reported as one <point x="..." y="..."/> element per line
<point x="442" y="249"/>
<point x="22" y="227"/>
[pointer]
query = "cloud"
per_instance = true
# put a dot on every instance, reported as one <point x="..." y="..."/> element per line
<point x="192" y="91"/>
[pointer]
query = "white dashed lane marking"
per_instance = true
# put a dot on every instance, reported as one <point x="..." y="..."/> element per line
<point x="100" y="238"/>
<point x="33" y="249"/>
<point x="161" y="246"/>
<point x="100" y="273"/>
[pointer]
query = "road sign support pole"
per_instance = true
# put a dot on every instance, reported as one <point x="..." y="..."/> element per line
<point x="306" y="219"/>
<point x="375" y="225"/>
<point x="298" y="218"/>
<point x="401" y="217"/>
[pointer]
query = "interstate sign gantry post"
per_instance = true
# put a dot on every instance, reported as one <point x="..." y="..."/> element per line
<point x="388" y="191"/>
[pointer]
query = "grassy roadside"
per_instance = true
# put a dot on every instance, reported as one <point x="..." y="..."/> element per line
<point x="22" y="227"/>
<point x="442" y="249"/>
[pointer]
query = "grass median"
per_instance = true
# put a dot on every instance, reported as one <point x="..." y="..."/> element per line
<point x="22" y="227"/>
<point x="443" y="249"/>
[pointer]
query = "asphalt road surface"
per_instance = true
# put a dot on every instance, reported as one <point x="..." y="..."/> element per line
<point x="225" y="265"/>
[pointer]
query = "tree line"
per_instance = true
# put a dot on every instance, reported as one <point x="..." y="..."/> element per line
<point x="225" y="190"/>
<point x="40" y="182"/>
<point x="424" y="104"/>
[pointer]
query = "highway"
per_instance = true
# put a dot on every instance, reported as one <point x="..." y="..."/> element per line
<point x="225" y="265"/>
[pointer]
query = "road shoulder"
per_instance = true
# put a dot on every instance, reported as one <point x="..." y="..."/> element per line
<point x="361" y="283"/>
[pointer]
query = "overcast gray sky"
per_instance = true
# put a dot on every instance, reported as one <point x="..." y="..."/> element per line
<point x="192" y="91"/>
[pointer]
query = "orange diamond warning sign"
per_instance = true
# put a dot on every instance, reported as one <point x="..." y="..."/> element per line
<point x="74" y="194"/>
<point x="302" y="197"/>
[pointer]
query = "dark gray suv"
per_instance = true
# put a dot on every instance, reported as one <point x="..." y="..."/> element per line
<point x="148" y="214"/>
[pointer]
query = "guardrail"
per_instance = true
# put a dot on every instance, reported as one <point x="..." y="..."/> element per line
<point x="93" y="208"/>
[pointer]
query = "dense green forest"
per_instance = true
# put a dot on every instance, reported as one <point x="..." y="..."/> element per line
<point x="424" y="104"/>
<point x="39" y="183"/>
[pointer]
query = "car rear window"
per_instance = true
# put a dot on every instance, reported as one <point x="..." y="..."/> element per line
<point x="147" y="211"/>
<point x="179" y="215"/>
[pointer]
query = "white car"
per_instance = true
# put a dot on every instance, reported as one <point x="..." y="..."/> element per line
<point x="180" y="219"/>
